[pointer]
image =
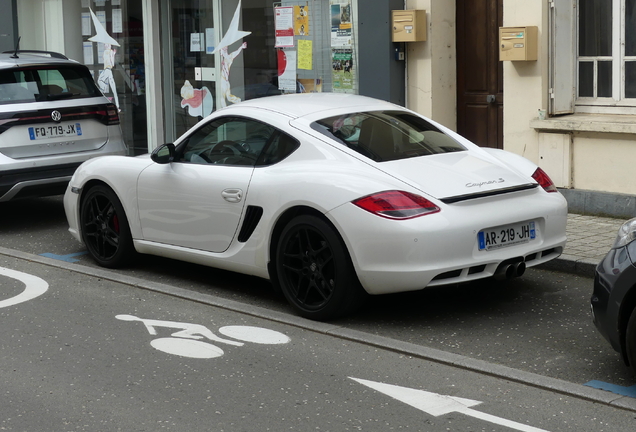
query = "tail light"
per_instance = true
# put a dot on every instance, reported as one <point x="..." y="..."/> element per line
<point x="396" y="205"/>
<point x="544" y="180"/>
<point x="109" y="114"/>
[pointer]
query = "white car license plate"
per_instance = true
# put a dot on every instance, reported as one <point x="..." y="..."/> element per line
<point x="65" y="130"/>
<point x="506" y="236"/>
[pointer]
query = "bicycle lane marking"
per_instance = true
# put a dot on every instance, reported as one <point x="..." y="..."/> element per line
<point x="186" y="342"/>
<point x="34" y="287"/>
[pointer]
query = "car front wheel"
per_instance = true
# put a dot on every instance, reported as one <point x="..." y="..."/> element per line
<point x="314" y="270"/>
<point x="105" y="228"/>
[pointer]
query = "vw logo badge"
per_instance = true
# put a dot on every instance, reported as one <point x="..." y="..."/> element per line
<point x="56" y="116"/>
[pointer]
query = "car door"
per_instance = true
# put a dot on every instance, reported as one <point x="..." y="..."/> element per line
<point x="197" y="200"/>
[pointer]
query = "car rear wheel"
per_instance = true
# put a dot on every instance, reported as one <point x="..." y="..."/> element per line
<point x="314" y="270"/>
<point x="105" y="228"/>
<point x="630" y="344"/>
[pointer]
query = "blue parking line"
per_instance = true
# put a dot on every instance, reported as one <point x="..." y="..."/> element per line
<point x="614" y="388"/>
<point x="68" y="258"/>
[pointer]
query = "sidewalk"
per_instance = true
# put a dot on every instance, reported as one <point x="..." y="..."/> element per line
<point x="589" y="239"/>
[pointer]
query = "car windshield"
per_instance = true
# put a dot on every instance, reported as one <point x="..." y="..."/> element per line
<point x="387" y="135"/>
<point x="45" y="84"/>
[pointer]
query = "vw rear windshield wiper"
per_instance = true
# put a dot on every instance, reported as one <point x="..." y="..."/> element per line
<point x="58" y="96"/>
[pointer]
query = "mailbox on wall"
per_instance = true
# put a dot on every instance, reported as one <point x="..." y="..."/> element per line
<point x="409" y="25"/>
<point x="518" y="43"/>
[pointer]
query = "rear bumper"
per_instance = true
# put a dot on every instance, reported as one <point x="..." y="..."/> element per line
<point x="442" y="248"/>
<point x="48" y="175"/>
<point x="37" y="181"/>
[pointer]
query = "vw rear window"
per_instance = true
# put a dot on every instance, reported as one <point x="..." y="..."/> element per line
<point x="45" y="84"/>
<point x="387" y="135"/>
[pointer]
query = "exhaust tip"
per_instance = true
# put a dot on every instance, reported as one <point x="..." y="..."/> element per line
<point x="520" y="269"/>
<point x="509" y="271"/>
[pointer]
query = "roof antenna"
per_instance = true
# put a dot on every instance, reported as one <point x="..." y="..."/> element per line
<point x="17" y="45"/>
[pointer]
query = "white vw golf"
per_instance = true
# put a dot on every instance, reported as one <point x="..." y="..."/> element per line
<point x="327" y="195"/>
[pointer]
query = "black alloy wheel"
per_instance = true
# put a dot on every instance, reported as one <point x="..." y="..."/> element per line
<point x="105" y="228"/>
<point x="314" y="270"/>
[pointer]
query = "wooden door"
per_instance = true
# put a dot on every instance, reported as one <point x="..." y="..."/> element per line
<point x="479" y="72"/>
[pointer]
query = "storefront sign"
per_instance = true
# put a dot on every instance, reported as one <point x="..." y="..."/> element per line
<point x="86" y="24"/>
<point x="305" y="54"/>
<point x="87" y="49"/>
<point x="301" y="21"/>
<point x="284" y="26"/>
<point x="341" y="23"/>
<point x="342" y="62"/>
<point x="196" y="42"/>
<point x="210" y="40"/>
<point x="287" y="67"/>
<point x="117" y="21"/>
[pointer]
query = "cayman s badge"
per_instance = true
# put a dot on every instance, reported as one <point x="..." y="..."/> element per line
<point x="489" y="182"/>
<point x="56" y="116"/>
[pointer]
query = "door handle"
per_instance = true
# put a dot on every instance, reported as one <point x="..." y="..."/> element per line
<point x="232" y="195"/>
<point x="491" y="99"/>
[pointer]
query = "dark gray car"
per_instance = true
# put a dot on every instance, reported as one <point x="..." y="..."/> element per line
<point x="614" y="297"/>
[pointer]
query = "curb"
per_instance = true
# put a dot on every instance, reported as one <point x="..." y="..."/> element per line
<point x="455" y="360"/>
<point x="572" y="264"/>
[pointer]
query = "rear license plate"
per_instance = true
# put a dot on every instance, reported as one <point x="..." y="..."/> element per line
<point x="44" y="132"/>
<point x="506" y="236"/>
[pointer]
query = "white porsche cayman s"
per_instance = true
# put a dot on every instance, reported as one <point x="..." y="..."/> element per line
<point x="327" y="195"/>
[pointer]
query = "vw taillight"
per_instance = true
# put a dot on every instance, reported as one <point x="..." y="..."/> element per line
<point x="109" y="114"/>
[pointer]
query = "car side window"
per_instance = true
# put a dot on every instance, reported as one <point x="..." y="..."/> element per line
<point x="226" y="141"/>
<point x="280" y="147"/>
<point x="387" y="135"/>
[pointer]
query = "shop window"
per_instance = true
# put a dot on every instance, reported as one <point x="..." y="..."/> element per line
<point x="319" y="53"/>
<point x="222" y="52"/>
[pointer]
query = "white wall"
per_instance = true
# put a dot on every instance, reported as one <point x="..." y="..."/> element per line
<point x="431" y="65"/>
<point x="587" y="152"/>
<point x="604" y="162"/>
<point x="30" y="24"/>
<point x="72" y="47"/>
<point x="525" y="82"/>
<point x="51" y="25"/>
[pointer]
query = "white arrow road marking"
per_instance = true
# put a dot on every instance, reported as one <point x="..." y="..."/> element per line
<point x="437" y="404"/>
<point x="34" y="287"/>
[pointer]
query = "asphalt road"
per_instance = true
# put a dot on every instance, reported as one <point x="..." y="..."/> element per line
<point x="539" y="323"/>
<point x="90" y="353"/>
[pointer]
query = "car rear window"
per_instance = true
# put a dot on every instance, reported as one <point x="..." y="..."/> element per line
<point x="45" y="84"/>
<point x="387" y="135"/>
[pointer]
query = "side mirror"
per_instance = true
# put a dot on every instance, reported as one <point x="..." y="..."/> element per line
<point x="163" y="154"/>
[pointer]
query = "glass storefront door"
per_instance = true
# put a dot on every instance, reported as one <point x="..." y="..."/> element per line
<point x="188" y="41"/>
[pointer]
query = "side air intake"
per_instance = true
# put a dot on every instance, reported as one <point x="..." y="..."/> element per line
<point x="252" y="218"/>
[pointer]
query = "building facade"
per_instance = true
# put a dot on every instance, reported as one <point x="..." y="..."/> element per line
<point x="569" y="106"/>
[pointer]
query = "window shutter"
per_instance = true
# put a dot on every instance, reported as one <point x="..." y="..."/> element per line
<point x="562" y="61"/>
